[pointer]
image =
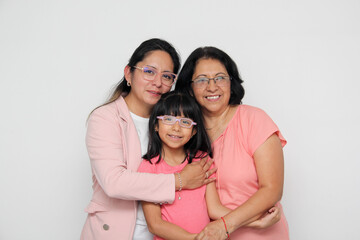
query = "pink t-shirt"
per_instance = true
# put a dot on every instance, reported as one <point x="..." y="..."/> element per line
<point x="189" y="212"/>
<point x="236" y="178"/>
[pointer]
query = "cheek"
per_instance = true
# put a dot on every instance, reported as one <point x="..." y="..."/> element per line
<point x="165" y="89"/>
<point x="197" y="94"/>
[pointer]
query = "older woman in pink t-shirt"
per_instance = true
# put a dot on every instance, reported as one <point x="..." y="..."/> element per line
<point x="247" y="147"/>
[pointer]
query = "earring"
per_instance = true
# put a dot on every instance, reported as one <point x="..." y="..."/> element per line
<point x="128" y="84"/>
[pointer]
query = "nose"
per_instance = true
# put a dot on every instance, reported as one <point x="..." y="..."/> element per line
<point x="157" y="80"/>
<point x="211" y="85"/>
<point x="176" y="126"/>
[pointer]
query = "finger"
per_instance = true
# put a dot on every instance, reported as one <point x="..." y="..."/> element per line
<point x="199" y="236"/>
<point x="276" y="210"/>
<point x="273" y="209"/>
<point x="212" y="171"/>
<point x="208" y="164"/>
<point x="209" y="180"/>
<point x="204" y="161"/>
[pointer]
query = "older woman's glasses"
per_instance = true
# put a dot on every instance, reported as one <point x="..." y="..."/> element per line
<point x="171" y="120"/>
<point x="202" y="82"/>
<point x="149" y="74"/>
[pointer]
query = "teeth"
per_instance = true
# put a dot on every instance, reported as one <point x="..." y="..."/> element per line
<point x="174" y="136"/>
<point x="213" y="97"/>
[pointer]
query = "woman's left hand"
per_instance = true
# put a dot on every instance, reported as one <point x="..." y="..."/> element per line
<point x="213" y="231"/>
<point x="269" y="218"/>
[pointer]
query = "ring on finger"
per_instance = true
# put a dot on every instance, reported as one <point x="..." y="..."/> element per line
<point x="207" y="175"/>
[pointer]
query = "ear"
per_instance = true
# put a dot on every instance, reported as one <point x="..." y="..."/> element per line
<point x="127" y="74"/>
<point x="193" y="132"/>
<point x="156" y="128"/>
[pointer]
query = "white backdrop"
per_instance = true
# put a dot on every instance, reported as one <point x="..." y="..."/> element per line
<point x="59" y="59"/>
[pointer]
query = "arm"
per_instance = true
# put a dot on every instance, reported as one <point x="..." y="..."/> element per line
<point x="269" y="218"/>
<point x="269" y="164"/>
<point x="216" y="210"/>
<point x="106" y="143"/>
<point x="108" y="146"/>
<point x="161" y="228"/>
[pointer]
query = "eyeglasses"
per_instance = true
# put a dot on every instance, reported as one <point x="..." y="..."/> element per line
<point x="149" y="74"/>
<point x="202" y="82"/>
<point x="171" y="120"/>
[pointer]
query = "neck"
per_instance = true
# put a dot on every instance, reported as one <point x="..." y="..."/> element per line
<point x="214" y="119"/>
<point x="216" y="123"/>
<point x="140" y="109"/>
<point x="173" y="157"/>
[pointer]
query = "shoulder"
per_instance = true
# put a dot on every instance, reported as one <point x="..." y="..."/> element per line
<point x="148" y="166"/>
<point x="112" y="110"/>
<point x="250" y="110"/>
<point x="247" y="112"/>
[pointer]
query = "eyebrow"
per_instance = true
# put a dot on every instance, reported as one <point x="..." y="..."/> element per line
<point x="204" y="75"/>
<point x="158" y="69"/>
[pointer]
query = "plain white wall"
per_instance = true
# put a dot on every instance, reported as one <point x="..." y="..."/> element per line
<point x="59" y="59"/>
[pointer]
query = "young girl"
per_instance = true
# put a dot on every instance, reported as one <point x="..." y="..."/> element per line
<point x="178" y="137"/>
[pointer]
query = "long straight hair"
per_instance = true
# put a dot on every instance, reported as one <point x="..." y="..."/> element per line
<point x="139" y="54"/>
<point x="175" y="104"/>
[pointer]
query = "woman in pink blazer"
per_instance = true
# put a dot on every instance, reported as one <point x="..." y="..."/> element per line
<point x="116" y="138"/>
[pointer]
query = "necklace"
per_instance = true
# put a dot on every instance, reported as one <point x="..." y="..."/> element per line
<point x="219" y="123"/>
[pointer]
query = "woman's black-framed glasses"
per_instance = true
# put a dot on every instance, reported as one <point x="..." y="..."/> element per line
<point x="171" y="120"/>
<point x="149" y="74"/>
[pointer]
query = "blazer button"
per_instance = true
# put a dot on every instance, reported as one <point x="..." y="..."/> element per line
<point x="106" y="227"/>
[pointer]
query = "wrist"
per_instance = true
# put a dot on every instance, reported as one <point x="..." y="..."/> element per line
<point x="179" y="181"/>
<point x="226" y="228"/>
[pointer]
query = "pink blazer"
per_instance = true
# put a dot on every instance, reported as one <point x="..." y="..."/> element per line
<point x="115" y="155"/>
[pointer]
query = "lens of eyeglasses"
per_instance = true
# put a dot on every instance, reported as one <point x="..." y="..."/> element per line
<point x="168" y="78"/>
<point x="186" y="122"/>
<point x="169" y="119"/>
<point x="183" y="122"/>
<point x="149" y="73"/>
<point x="202" y="82"/>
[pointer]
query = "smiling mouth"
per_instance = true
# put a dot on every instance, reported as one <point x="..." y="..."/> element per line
<point x="213" y="97"/>
<point x="174" y="136"/>
<point x="154" y="92"/>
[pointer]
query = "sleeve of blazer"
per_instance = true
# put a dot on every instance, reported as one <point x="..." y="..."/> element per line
<point x="104" y="145"/>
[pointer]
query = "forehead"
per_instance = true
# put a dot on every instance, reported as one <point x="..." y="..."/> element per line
<point x="209" y="67"/>
<point x="158" y="59"/>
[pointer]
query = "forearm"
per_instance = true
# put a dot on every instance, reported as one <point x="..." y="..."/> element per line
<point x="169" y="231"/>
<point x="129" y="185"/>
<point x="253" y="208"/>
<point x="219" y="212"/>
<point x="114" y="168"/>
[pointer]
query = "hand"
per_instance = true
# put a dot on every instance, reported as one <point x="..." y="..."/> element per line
<point x="213" y="231"/>
<point x="196" y="174"/>
<point x="272" y="216"/>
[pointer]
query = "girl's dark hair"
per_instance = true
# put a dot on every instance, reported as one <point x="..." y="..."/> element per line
<point x="139" y="54"/>
<point x="183" y="82"/>
<point x="175" y="104"/>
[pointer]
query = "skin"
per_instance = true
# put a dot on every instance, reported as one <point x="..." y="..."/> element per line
<point x="142" y="98"/>
<point x="145" y="94"/>
<point x="268" y="157"/>
<point x="213" y="99"/>
<point x="174" y="137"/>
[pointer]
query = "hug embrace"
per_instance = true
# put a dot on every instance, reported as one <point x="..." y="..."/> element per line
<point x="194" y="163"/>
